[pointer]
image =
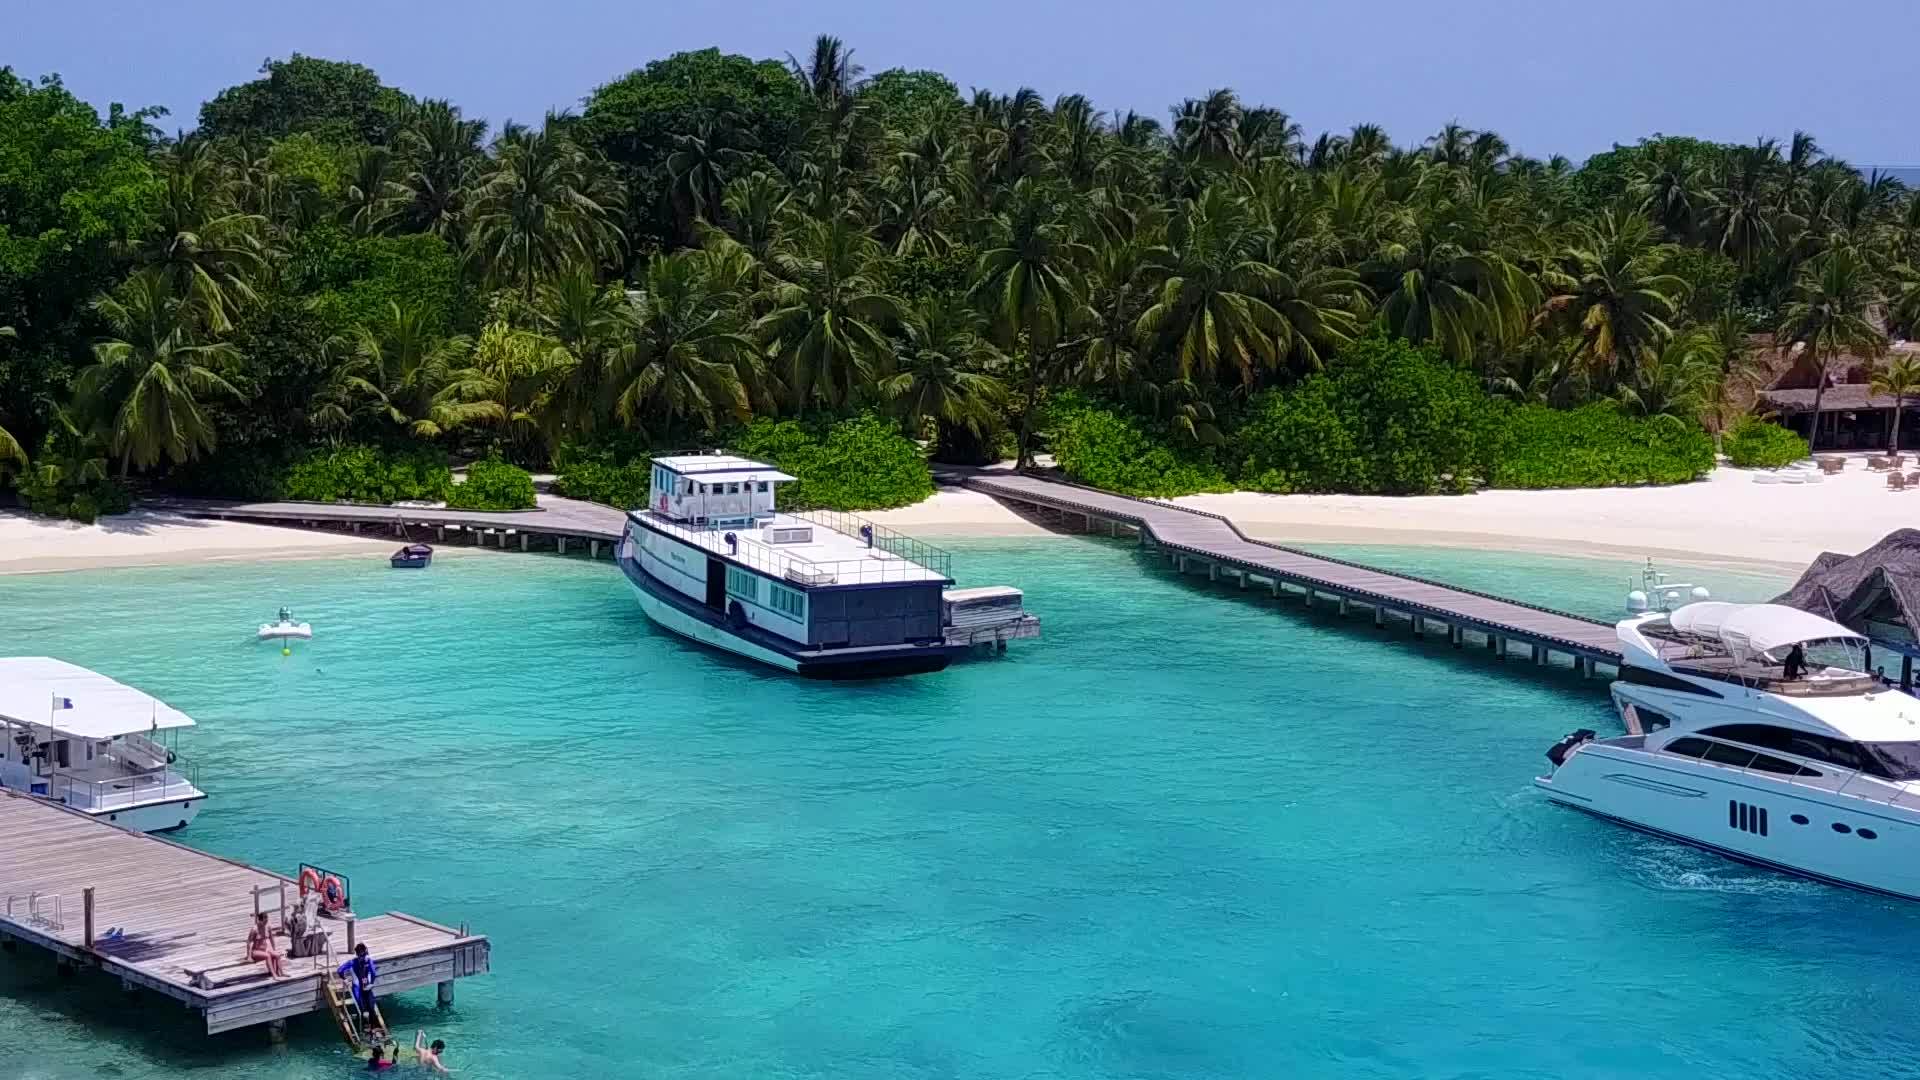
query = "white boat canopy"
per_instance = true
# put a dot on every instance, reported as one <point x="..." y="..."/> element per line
<point x="1755" y="628"/>
<point x="78" y="703"/>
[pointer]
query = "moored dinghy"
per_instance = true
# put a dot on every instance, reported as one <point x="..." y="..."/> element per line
<point x="412" y="557"/>
<point x="285" y="628"/>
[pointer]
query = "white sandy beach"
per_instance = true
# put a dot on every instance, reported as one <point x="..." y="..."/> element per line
<point x="1725" y="520"/>
<point x="147" y="538"/>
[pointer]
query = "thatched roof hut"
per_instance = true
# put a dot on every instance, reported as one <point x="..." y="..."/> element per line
<point x="1876" y="592"/>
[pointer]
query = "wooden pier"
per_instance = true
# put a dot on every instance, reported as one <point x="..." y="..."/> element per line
<point x="1194" y="539"/>
<point x="557" y="524"/>
<point x="183" y="916"/>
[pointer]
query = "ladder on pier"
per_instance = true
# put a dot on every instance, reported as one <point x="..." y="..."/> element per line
<point x="356" y="1027"/>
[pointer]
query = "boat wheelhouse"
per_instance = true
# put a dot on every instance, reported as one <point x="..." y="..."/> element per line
<point x="818" y="593"/>
<point x="1755" y="731"/>
<point x="79" y="738"/>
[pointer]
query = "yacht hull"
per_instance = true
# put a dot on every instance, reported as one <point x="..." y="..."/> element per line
<point x="153" y="817"/>
<point x="673" y="611"/>
<point x="1790" y="827"/>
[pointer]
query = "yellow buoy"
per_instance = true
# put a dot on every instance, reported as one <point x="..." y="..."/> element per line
<point x="286" y="650"/>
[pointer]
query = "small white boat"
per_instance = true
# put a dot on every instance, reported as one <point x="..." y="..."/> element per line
<point x="285" y="628"/>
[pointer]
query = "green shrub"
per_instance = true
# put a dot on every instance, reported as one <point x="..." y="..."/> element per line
<point x="621" y="486"/>
<point x="863" y="463"/>
<point x="83" y="501"/>
<point x="1102" y="448"/>
<point x="1595" y="446"/>
<point x="493" y="485"/>
<point x="1386" y="418"/>
<point x="1754" y="443"/>
<point x="364" y="474"/>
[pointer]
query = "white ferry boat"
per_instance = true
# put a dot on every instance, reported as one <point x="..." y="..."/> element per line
<point x="1753" y="730"/>
<point x="79" y="738"/>
<point x="822" y="594"/>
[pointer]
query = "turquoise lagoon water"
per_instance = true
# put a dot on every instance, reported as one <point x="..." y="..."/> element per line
<point x="1182" y="836"/>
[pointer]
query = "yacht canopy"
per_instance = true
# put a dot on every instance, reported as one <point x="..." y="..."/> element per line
<point x="1756" y="628"/>
<point x="101" y="708"/>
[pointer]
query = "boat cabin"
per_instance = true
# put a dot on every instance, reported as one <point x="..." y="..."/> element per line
<point x="714" y="491"/>
<point x="77" y="737"/>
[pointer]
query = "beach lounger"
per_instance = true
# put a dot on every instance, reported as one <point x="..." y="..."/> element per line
<point x="1876" y="463"/>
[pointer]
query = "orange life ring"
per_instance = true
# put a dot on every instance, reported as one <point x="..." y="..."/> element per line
<point x="333" y="893"/>
<point x="309" y="880"/>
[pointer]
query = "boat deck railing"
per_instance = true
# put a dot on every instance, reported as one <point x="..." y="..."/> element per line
<point x="882" y="565"/>
<point x="938" y="560"/>
<point x="179" y="780"/>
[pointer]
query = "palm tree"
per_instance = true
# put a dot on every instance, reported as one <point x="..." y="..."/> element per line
<point x="10" y="448"/>
<point x="827" y="314"/>
<point x="700" y="164"/>
<point x="426" y="382"/>
<point x="684" y="358"/>
<point x="1901" y="379"/>
<point x="441" y="151"/>
<point x="1828" y="314"/>
<point x="829" y="77"/>
<point x="148" y="381"/>
<point x="211" y="251"/>
<point x="584" y="324"/>
<point x="942" y="368"/>
<point x="1446" y="285"/>
<point x="1206" y="130"/>
<point x="373" y="196"/>
<point x="1219" y="305"/>
<point x="1614" y="290"/>
<point x="1679" y="380"/>
<point x="1743" y="214"/>
<point x="541" y="209"/>
<point x="1025" y="284"/>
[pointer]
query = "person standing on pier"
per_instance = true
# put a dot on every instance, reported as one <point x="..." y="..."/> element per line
<point x="360" y="973"/>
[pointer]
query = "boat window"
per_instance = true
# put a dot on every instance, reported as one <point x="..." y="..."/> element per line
<point x="1729" y="754"/>
<point x="1768" y="763"/>
<point x="1892" y="760"/>
<point x="1804" y="744"/>
<point x="1688" y="747"/>
<point x="1866" y="834"/>
<point x="733" y="488"/>
<point x="762" y="488"/>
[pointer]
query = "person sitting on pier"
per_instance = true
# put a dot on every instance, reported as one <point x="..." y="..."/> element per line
<point x="360" y="973"/>
<point x="260" y="946"/>
<point x="429" y="1055"/>
<point x="1795" y="664"/>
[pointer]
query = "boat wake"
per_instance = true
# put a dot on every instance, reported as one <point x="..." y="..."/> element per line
<point x="1672" y="867"/>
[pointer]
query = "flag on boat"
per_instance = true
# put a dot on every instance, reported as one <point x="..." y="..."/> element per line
<point x="61" y="703"/>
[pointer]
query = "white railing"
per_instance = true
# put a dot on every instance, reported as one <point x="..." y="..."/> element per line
<point x="876" y="566"/>
<point x="121" y="792"/>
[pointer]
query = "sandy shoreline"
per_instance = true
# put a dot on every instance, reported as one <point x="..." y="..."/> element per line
<point x="1727" y="520"/>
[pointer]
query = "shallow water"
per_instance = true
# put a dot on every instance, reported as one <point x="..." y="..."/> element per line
<point x="1184" y="835"/>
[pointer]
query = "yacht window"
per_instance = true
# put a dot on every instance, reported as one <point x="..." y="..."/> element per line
<point x="1866" y="834"/>
<point x="1651" y="721"/>
<point x="762" y="487"/>
<point x="1892" y="760"/>
<point x="1687" y="747"/>
<point x="1728" y="754"/>
<point x="733" y="488"/>
<point x="1804" y="744"/>
<point x="1768" y="763"/>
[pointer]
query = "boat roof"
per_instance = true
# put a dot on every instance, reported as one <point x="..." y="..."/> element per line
<point x="828" y="557"/>
<point x="1755" y="628"/>
<point x="728" y="466"/>
<point x="103" y="708"/>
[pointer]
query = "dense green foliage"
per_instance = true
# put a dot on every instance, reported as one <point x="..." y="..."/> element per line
<point x="1594" y="446"/>
<point x="1108" y="449"/>
<point x="1756" y="444"/>
<point x="1387" y="418"/>
<point x="365" y="474"/>
<point x="859" y="464"/>
<point x="718" y="241"/>
<point x="622" y="486"/>
<point x="493" y="485"/>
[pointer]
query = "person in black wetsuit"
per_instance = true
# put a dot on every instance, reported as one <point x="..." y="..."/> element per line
<point x="1796" y="663"/>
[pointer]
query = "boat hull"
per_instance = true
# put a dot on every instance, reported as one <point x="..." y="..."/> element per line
<point x="1792" y="828"/>
<point x="695" y="622"/>
<point x="153" y="817"/>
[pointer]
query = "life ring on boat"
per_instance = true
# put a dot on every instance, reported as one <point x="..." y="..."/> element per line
<point x="309" y="880"/>
<point x="333" y="893"/>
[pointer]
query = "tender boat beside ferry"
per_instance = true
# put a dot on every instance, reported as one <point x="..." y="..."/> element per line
<point x="1755" y="731"/>
<point x="820" y="594"/>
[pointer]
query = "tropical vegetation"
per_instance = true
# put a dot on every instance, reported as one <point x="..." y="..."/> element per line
<point x="325" y="275"/>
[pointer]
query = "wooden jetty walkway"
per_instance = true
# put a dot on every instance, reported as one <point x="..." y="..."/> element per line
<point x="555" y="524"/>
<point x="1194" y="538"/>
<point x="184" y="913"/>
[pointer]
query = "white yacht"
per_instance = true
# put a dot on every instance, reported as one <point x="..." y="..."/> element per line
<point x="79" y="738"/>
<point x="822" y="594"/>
<point x="1753" y="731"/>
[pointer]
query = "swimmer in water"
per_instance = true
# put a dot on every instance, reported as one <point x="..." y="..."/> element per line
<point x="379" y="1062"/>
<point x="429" y="1055"/>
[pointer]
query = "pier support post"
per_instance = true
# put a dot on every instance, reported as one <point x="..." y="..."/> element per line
<point x="1456" y="635"/>
<point x="440" y="533"/>
<point x="523" y="541"/>
<point x="1343" y="607"/>
<point x="1539" y="655"/>
<point x="1419" y="626"/>
<point x="350" y="941"/>
<point x="1275" y="586"/>
<point x="1583" y="667"/>
<point x="443" y="994"/>
<point x="1379" y="615"/>
<point x="1306" y="596"/>
<point x="1213" y="571"/>
<point x="86" y="916"/>
<point x="1493" y="643"/>
<point x="277" y="1032"/>
<point x="355" y="526"/>
<point x="1499" y="647"/>
<point x="561" y="542"/>
<point x="1243" y="579"/>
<point x="593" y="549"/>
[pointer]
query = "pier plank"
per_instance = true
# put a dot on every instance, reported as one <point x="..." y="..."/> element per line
<point x="183" y="911"/>
<point x="1208" y="538"/>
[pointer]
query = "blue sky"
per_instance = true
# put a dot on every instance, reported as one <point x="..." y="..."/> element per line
<point x="1553" y="77"/>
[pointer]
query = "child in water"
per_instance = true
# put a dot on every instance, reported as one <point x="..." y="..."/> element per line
<point x="379" y="1061"/>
